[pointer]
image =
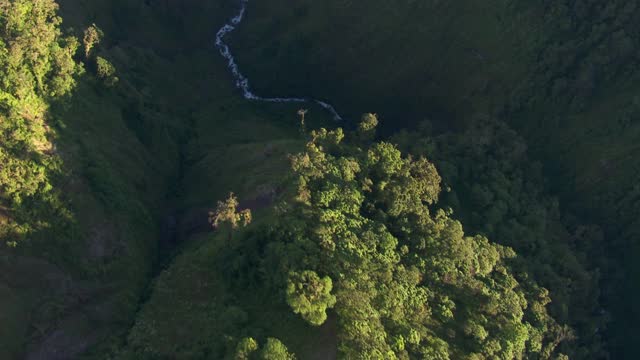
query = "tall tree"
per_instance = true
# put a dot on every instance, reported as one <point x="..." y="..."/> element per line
<point x="227" y="213"/>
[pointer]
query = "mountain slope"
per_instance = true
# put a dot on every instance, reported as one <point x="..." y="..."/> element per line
<point x="564" y="74"/>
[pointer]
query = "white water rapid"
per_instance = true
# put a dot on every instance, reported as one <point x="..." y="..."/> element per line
<point x="242" y="82"/>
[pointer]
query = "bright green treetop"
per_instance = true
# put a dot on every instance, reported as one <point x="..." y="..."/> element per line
<point x="310" y="296"/>
<point x="364" y="226"/>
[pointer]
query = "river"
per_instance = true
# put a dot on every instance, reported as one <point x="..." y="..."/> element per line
<point x="242" y="82"/>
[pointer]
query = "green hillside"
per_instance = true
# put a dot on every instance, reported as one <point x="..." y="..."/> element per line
<point x="488" y="210"/>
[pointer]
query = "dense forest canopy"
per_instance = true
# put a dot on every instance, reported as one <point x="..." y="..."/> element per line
<point x="37" y="67"/>
<point x="408" y="282"/>
<point x="488" y="212"/>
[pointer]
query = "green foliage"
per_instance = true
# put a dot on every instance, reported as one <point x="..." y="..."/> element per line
<point x="564" y="74"/>
<point x="405" y="36"/>
<point x="80" y="273"/>
<point x="227" y="212"/>
<point x="368" y="123"/>
<point x="310" y="296"/>
<point x="274" y="349"/>
<point x="367" y="127"/>
<point x="407" y="280"/>
<point x="37" y="67"/>
<point x="106" y="71"/>
<point x="366" y="230"/>
<point x="245" y="348"/>
<point x="500" y="192"/>
<point x="92" y="37"/>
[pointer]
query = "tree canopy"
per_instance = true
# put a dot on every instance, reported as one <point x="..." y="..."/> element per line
<point x="361" y="235"/>
<point x="310" y="296"/>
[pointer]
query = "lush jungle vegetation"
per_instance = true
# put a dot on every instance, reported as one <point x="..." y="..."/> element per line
<point x="488" y="210"/>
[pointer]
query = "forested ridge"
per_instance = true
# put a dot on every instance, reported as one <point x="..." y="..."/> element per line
<point x="561" y="74"/>
<point x="487" y="211"/>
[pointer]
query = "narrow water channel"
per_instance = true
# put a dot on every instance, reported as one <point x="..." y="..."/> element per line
<point x="242" y="82"/>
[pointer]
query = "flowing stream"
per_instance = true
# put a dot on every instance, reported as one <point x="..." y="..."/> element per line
<point x="242" y="82"/>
